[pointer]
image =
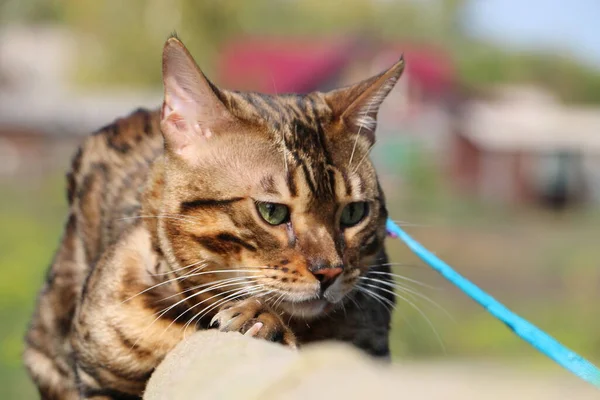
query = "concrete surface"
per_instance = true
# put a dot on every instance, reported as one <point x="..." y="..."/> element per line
<point x="214" y="365"/>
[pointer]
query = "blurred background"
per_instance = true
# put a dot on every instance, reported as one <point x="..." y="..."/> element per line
<point x="488" y="149"/>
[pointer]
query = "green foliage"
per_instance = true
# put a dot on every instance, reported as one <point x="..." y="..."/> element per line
<point x="30" y="228"/>
<point x="31" y="11"/>
<point x="480" y="64"/>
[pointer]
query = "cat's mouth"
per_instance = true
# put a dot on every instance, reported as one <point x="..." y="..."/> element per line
<point x="313" y="303"/>
<point x="307" y="308"/>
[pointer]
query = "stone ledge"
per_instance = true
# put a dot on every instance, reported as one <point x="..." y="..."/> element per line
<point x="214" y="365"/>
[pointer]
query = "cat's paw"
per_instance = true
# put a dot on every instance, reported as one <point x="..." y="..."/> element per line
<point x="252" y="318"/>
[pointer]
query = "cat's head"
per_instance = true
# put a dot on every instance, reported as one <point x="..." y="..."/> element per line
<point x="279" y="189"/>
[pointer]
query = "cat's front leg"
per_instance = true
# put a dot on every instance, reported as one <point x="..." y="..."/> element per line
<point x="120" y="332"/>
<point x="252" y="317"/>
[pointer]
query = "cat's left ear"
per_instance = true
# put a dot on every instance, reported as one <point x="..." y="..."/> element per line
<point x="192" y="110"/>
<point x="356" y="106"/>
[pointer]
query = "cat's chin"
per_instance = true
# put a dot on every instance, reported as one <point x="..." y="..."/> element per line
<point x="306" y="309"/>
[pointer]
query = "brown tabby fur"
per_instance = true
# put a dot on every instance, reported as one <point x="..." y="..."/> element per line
<point x="162" y="205"/>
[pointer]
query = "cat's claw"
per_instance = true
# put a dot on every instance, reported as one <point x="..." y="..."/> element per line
<point x="251" y="318"/>
<point x="214" y="321"/>
<point x="254" y="329"/>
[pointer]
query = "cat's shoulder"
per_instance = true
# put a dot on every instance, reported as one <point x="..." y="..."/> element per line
<point x="124" y="134"/>
<point x="125" y="141"/>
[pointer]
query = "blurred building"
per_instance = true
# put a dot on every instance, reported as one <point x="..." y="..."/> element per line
<point x="414" y="118"/>
<point x="302" y="65"/>
<point x="42" y="115"/>
<point x="523" y="146"/>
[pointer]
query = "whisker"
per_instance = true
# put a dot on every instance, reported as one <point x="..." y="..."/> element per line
<point x="284" y="148"/>
<point x="189" y="276"/>
<point x="240" y="293"/>
<point x="250" y="290"/>
<point x="351" y="298"/>
<point x="344" y="309"/>
<point x="413" y="305"/>
<point x="205" y="300"/>
<point x="182" y="268"/>
<point x="268" y="292"/>
<point x="409" y="290"/>
<point x="279" y="300"/>
<point x="179" y="218"/>
<point x="268" y="300"/>
<point x="387" y="304"/>
<point x="158" y="285"/>
<point x="226" y="280"/>
<point x="394" y="285"/>
<point x="360" y="126"/>
<point x="166" y="310"/>
<point x="404" y="317"/>
<point x="363" y="158"/>
<point x="406" y="223"/>
<point x="220" y="301"/>
<point x="404" y="278"/>
<point x="208" y="289"/>
<point x="394" y="265"/>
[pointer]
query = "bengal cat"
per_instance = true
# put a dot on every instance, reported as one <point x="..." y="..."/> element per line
<point x="239" y="211"/>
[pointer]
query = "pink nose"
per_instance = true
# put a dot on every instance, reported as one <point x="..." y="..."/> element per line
<point x="327" y="274"/>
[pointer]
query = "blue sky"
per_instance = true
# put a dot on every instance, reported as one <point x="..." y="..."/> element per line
<point x="562" y="25"/>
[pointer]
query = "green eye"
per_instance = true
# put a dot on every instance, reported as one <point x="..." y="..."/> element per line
<point x="273" y="213"/>
<point x="353" y="213"/>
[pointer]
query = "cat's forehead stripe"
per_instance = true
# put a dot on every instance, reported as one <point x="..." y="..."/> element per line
<point x="291" y="182"/>
<point x="346" y="182"/>
<point x="268" y="184"/>
<point x="297" y="120"/>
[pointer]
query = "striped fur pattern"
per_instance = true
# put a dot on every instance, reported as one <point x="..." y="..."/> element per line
<point x="163" y="235"/>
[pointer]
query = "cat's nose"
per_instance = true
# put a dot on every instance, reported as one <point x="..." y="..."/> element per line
<point x="325" y="273"/>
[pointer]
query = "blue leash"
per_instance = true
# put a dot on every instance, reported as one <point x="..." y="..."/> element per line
<point x="527" y="331"/>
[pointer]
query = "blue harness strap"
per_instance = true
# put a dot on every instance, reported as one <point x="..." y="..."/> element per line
<point x="526" y="330"/>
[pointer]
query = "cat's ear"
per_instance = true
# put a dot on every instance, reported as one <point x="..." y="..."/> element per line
<point x="356" y="106"/>
<point x="191" y="110"/>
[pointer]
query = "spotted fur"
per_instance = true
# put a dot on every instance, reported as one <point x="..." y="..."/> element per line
<point x="163" y="236"/>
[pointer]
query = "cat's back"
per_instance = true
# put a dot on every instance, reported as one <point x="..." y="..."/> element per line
<point x="107" y="176"/>
<point x="104" y="187"/>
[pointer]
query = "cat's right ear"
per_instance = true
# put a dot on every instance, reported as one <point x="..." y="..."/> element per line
<point x="191" y="111"/>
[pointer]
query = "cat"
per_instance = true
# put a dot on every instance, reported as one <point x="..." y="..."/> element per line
<point x="230" y="210"/>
